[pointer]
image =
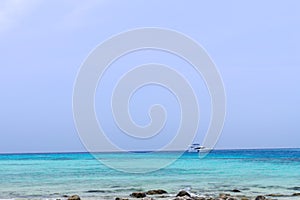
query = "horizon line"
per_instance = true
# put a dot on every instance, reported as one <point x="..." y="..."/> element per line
<point x="142" y="151"/>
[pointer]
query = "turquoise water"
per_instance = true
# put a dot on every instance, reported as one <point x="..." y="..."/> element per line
<point x="253" y="172"/>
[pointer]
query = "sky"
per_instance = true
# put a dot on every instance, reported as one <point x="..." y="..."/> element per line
<point x="254" y="44"/>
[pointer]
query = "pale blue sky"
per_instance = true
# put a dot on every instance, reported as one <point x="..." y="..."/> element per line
<point x="255" y="45"/>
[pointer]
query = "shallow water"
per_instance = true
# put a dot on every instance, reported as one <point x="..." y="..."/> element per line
<point x="253" y="172"/>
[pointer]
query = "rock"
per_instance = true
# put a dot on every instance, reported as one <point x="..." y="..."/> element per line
<point x="118" y="198"/>
<point x="95" y="191"/>
<point x="65" y="196"/>
<point x="147" y="198"/>
<point x="260" y="198"/>
<point x="294" y="188"/>
<point x="183" y="198"/>
<point x="198" y="198"/>
<point x="296" y="194"/>
<point x="245" y="198"/>
<point x="235" y="190"/>
<point x="74" y="197"/>
<point x="183" y="193"/>
<point x="163" y="196"/>
<point x="275" y="195"/>
<point x="138" y="194"/>
<point x="152" y="192"/>
<point x="224" y="195"/>
<point x="230" y="198"/>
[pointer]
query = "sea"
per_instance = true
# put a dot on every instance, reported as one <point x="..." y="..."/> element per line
<point x="58" y="175"/>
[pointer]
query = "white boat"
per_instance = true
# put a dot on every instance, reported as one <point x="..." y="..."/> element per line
<point x="197" y="148"/>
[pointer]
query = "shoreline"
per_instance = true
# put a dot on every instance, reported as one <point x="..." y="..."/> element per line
<point x="159" y="194"/>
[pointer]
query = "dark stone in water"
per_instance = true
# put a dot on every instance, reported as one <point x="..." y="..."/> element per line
<point x="183" y="193"/>
<point x="138" y="194"/>
<point x="118" y="198"/>
<point x="152" y="192"/>
<point x="115" y="186"/>
<point x="294" y="188"/>
<point x="260" y="198"/>
<point x="235" y="190"/>
<point x="296" y="194"/>
<point x="65" y="195"/>
<point x="74" y="197"/>
<point x="96" y="191"/>
<point x="276" y="195"/>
